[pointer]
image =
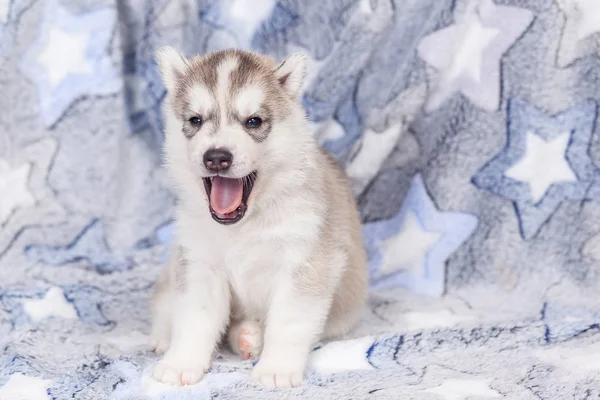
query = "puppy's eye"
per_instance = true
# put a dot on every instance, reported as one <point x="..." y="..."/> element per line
<point x="196" y="121"/>
<point x="254" y="122"/>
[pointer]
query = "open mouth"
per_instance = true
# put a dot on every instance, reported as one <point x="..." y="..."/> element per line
<point x="228" y="197"/>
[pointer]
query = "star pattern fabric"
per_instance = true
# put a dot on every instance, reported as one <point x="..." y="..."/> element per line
<point x="135" y="95"/>
<point x="39" y="156"/>
<point x="72" y="61"/>
<point x="27" y="305"/>
<point x="4" y="11"/>
<point x="417" y="320"/>
<point x="470" y="49"/>
<point x="375" y="147"/>
<point x="83" y="247"/>
<point x="582" y="22"/>
<point x="14" y="192"/>
<point x="397" y="253"/>
<point x="580" y="319"/>
<point x="587" y="16"/>
<point x="10" y="14"/>
<point x="69" y="59"/>
<point x="53" y="304"/>
<point x="461" y="389"/>
<point x="136" y="88"/>
<point x="544" y="163"/>
<point x="341" y="356"/>
<point x="83" y="115"/>
<point x="576" y="360"/>
<point x="88" y="301"/>
<point x="241" y="18"/>
<point x="411" y="249"/>
<point x="23" y="387"/>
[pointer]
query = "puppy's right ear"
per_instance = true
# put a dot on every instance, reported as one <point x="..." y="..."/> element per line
<point x="291" y="73"/>
<point x="172" y="66"/>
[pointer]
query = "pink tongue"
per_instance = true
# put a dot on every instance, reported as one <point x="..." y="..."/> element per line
<point x="226" y="194"/>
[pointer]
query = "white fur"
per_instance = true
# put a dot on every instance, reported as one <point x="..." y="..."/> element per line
<point x="201" y="101"/>
<point x="255" y="260"/>
<point x="249" y="100"/>
<point x="294" y="69"/>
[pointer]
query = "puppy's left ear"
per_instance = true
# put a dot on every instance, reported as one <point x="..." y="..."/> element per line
<point x="172" y="65"/>
<point x="291" y="73"/>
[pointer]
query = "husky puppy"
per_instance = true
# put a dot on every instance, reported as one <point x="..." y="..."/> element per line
<point x="268" y="253"/>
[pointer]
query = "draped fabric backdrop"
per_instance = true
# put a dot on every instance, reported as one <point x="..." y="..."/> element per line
<point x="468" y="127"/>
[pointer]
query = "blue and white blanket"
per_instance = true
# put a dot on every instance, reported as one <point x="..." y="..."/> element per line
<point x="469" y="128"/>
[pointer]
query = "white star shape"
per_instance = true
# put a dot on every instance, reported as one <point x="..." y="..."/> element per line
<point x="23" y="387"/>
<point x="326" y="131"/>
<point x="375" y="148"/>
<point x="470" y="49"/>
<point x="460" y="389"/>
<point x="543" y="164"/>
<point x="407" y="249"/>
<point x="341" y="356"/>
<point x="242" y="18"/>
<point x="69" y="58"/>
<point x="53" y="304"/>
<point x="467" y="55"/>
<point x="64" y="54"/>
<point x="583" y="15"/>
<point x="582" y="21"/>
<point x="14" y="192"/>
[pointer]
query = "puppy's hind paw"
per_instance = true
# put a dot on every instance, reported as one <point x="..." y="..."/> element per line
<point x="251" y="340"/>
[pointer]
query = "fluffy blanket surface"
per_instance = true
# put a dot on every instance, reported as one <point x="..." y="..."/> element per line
<point x="468" y="127"/>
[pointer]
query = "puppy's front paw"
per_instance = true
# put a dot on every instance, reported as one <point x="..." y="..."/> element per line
<point x="179" y="370"/>
<point x="159" y="345"/>
<point x="160" y="337"/>
<point x="279" y="374"/>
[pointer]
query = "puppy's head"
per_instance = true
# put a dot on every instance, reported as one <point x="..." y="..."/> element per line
<point x="223" y="110"/>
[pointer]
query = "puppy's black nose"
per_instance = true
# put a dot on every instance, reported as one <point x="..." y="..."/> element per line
<point x="217" y="159"/>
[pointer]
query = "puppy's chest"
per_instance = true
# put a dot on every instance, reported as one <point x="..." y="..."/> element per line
<point x="253" y="269"/>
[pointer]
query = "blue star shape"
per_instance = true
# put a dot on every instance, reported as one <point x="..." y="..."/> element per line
<point x="89" y="244"/>
<point x="99" y="77"/>
<point x="452" y="228"/>
<point x="522" y="118"/>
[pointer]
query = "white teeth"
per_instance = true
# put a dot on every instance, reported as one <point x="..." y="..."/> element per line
<point x="212" y="178"/>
